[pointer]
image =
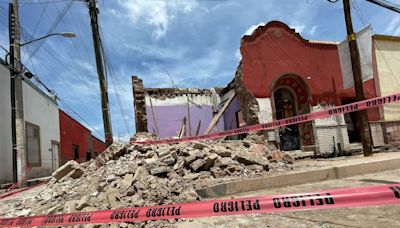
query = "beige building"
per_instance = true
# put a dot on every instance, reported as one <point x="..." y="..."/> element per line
<point x="387" y="81"/>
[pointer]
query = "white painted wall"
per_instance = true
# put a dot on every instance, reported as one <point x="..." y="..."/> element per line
<point x="180" y="100"/>
<point x="5" y="126"/>
<point x="387" y="53"/>
<point x="329" y="121"/>
<point x="265" y="114"/>
<point x="42" y="111"/>
<point x="327" y="128"/>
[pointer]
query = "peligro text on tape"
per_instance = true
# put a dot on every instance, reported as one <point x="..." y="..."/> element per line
<point x="326" y="199"/>
<point x="342" y="109"/>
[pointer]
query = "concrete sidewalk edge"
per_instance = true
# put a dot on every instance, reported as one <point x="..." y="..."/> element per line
<point x="297" y="178"/>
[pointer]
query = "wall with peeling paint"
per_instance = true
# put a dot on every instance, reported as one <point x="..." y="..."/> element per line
<point x="169" y="113"/>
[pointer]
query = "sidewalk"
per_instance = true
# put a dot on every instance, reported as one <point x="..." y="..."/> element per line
<point x="381" y="216"/>
<point x="308" y="171"/>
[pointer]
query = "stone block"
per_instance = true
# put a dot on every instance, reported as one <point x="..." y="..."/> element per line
<point x="70" y="206"/>
<point x="66" y="169"/>
<point x="180" y="163"/>
<point x="250" y="159"/>
<point x="196" y="165"/>
<point x="199" y="145"/>
<point x="223" y="152"/>
<point x="163" y="152"/>
<point x="188" y="160"/>
<point x="141" y="174"/>
<point x="223" y="162"/>
<point x="127" y="181"/>
<point x="210" y="159"/>
<point x="216" y="172"/>
<point x="160" y="170"/>
<point x="83" y="202"/>
<point x="169" y="160"/>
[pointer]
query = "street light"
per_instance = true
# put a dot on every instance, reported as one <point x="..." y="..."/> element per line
<point x="64" y="34"/>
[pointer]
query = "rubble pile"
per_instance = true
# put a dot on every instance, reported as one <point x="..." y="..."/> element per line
<point x="139" y="175"/>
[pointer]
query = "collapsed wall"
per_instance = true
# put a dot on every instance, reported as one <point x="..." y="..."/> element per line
<point x="138" y="175"/>
<point x="139" y="104"/>
<point x="248" y="101"/>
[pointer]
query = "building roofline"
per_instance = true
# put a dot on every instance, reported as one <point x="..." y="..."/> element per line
<point x="75" y="120"/>
<point x="79" y="123"/>
<point x="386" y="37"/>
<point x="98" y="139"/>
<point x="40" y="91"/>
<point x="260" y="30"/>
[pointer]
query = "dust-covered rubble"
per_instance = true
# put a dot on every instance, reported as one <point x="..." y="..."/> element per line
<point x="140" y="175"/>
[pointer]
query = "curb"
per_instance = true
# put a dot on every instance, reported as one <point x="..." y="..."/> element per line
<point x="297" y="178"/>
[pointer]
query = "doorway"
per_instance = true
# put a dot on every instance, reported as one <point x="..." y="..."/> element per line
<point x="55" y="155"/>
<point x="285" y="106"/>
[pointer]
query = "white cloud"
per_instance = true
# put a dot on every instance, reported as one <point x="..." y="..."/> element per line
<point x="250" y="30"/>
<point x="158" y="14"/>
<point x="313" y="30"/>
<point x="155" y="51"/>
<point x="298" y="27"/>
<point x="238" y="55"/>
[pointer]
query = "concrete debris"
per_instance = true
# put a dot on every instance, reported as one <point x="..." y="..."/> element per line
<point x="251" y="159"/>
<point x="160" y="170"/>
<point x="196" y="165"/>
<point x="114" y="151"/>
<point x="84" y="202"/>
<point x="70" y="169"/>
<point x="137" y="175"/>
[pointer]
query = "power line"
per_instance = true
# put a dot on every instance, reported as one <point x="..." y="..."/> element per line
<point x="80" y="32"/>
<point x="41" y="2"/>
<point x="115" y="82"/>
<point x="40" y="18"/>
<point x="53" y="26"/>
<point x="385" y="4"/>
<point x="25" y="68"/>
<point x="78" y="69"/>
<point x="24" y="34"/>
<point x="79" y="116"/>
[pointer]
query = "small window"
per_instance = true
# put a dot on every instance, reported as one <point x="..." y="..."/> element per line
<point x="75" y="149"/>
<point x="33" y="145"/>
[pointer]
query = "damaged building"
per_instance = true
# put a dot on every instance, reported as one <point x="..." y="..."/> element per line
<point x="281" y="75"/>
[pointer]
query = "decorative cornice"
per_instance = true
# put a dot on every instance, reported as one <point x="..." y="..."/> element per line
<point x="261" y="30"/>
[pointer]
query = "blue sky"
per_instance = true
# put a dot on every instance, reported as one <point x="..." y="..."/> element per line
<point x="196" y="42"/>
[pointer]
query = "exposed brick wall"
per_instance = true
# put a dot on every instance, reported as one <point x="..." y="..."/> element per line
<point x="249" y="104"/>
<point x="139" y="104"/>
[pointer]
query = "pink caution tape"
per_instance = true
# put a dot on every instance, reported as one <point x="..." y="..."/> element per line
<point x="353" y="107"/>
<point x="326" y="199"/>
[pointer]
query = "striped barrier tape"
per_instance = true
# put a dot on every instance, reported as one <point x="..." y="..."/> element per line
<point x="342" y="109"/>
<point x="325" y="199"/>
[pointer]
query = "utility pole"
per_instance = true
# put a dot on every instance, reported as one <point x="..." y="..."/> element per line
<point x="105" y="108"/>
<point x="17" y="109"/>
<point x="361" y="116"/>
